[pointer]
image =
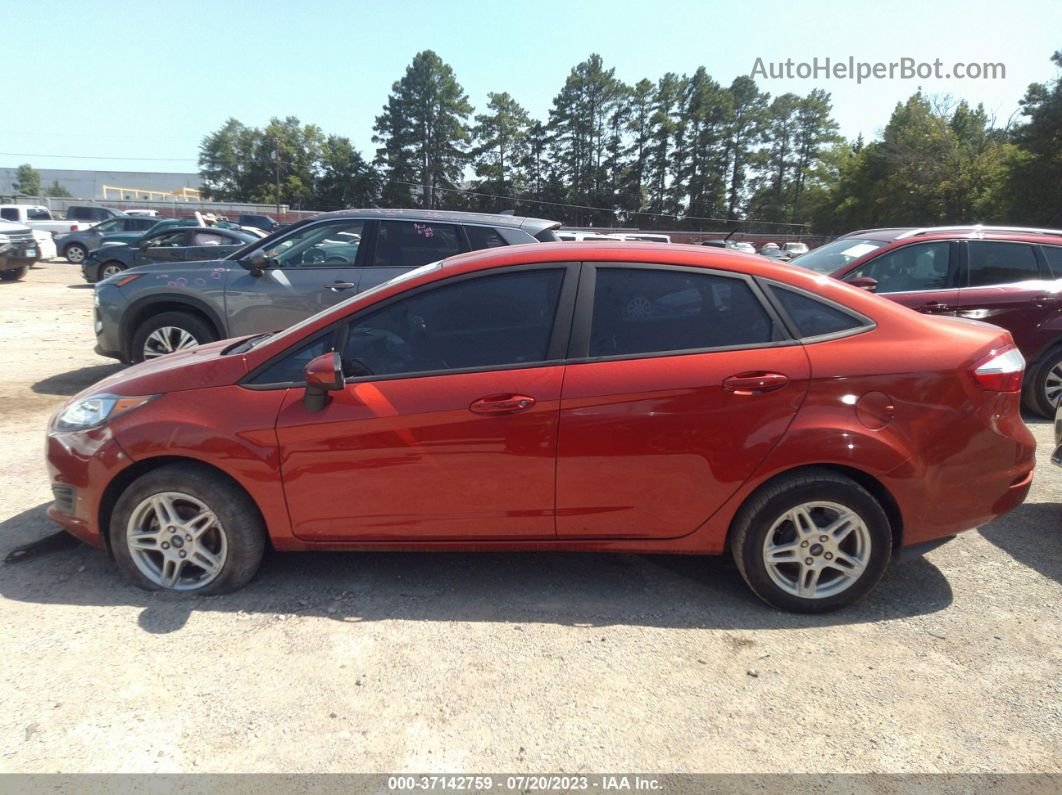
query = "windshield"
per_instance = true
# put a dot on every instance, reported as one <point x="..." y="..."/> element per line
<point x="828" y="258"/>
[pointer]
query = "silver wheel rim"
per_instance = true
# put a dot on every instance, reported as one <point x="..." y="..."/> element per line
<point x="1053" y="384"/>
<point x="817" y="550"/>
<point x="167" y="340"/>
<point x="110" y="270"/>
<point x="75" y="254"/>
<point x="176" y="541"/>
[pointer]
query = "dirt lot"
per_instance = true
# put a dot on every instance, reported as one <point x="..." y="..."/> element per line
<point x="514" y="663"/>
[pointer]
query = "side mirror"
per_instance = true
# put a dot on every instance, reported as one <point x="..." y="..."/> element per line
<point x="865" y="283"/>
<point x="257" y="264"/>
<point x="323" y="375"/>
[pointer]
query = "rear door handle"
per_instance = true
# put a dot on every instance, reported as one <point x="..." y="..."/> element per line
<point x="337" y="286"/>
<point x="754" y="383"/>
<point x="935" y="306"/>
<point x="502" y="404"/>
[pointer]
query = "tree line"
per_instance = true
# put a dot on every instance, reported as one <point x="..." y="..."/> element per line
<point x="681" y="152"/>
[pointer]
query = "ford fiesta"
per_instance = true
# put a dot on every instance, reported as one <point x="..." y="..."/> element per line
<point x="593" y="396"/>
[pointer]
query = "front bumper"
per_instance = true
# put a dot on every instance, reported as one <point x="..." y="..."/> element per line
<point x="78" y="462"/>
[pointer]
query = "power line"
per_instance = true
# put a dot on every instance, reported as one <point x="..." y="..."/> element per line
<point x="104" y="157"/>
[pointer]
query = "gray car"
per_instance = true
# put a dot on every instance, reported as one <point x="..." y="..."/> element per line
<point x="294" y="273"/>
<point x="75" y="246"/>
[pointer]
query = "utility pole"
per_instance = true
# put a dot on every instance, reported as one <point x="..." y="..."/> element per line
<point x="276" y="160"/>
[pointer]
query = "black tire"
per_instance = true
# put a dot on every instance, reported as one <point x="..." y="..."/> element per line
<point x="14" y="274"/>
<point x="144" y="346"/>
<point x="109" y="268"/>
<point x="235" y="541"/>
<point x="75" y="253"/>
<point x="1043" y="387"/>
<point x="765" y="513"/>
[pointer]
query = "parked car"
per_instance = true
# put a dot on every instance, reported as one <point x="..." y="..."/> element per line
<point x="133" y="237"/>
<point x="171" y="245"/>
<point x="288" y="276"/>
<point x="91" y="213"/>
<point x="1008" y="276"/>
<point x="37" y="217"/>
<point x="20" y="253"/>
<point x="264" y="222"/>
<point x="75" y="246"/>
<point x="148" y="213"/>
<point x="505" y="399"/>
<point x="569" y="236"/>
<point x="795" y="248"/>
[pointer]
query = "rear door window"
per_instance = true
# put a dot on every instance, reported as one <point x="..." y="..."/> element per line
<point x="410" y="244"/>
<point x="656" y="310"/>
<point x="991" y="262"/>
<point x="1053" y="255"/>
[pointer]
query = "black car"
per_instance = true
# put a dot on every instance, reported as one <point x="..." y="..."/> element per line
<point x="180" y="244"/>
<point x="83" y="213"/>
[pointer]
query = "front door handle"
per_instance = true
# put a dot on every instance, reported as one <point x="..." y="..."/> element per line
<point x="754" y="383"/>
<point x="337" y="286"/>
<point x="502" y="404"/>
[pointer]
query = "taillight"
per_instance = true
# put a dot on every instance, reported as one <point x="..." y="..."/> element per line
<point x="1000" y="371"/>
<point x="73" y="227"/>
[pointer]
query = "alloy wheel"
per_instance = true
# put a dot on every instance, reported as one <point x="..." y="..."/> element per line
<point x="176" y="541"/>
<point x="168" y="339"/>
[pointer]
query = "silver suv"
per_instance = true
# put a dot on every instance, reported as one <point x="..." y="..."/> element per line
<point x="294" y="273"/>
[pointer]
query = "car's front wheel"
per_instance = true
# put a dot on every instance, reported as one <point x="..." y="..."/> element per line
<point x="167" y="333"/>
<point x="183" y="528"/>
<point x="108" y="269"/>
<point x="811" y="542"/>
<point x="14" y="274"/>
<point x="75" y="253"/>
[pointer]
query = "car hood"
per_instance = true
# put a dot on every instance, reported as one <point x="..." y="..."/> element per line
<point x="202" y="367"/>
<point x="179" y="266"/>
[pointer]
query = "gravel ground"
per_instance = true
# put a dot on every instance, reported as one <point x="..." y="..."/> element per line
<point x="496" y="662"/>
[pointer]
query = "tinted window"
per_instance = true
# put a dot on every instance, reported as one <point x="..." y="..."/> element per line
<point x="178" y="238"/>
<point x="830" y="257"/>
<point x="138" y="224"/>
<point x="1054" y="259"/>
<point x="9" y="213"/>
<point x="813" y="317"/>
<point x="489" y="321"/>
<point x="647" y="311"/>
<point x="210" y="239"/>
<point x="318" y="245"/>
<point x="483" y="237"/>
<point x="908" y="268"/>
<point x="34" y="214"/>
<point x="411" y="244"/>
<point x="113" y="225"/>
<point x="1000" y="263"/>
<point x="290" y="368"/>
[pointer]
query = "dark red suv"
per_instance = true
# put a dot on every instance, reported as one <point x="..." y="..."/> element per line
<point x="1008" y="276"/>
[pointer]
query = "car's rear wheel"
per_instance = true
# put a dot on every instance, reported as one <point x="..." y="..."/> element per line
<point x="108" y="269"/>
<point x="14" y="274"/>
<point x="811" y="542"/>
<point x="1044" y="389"/>
<point x="167" y="333"/>
<point x="75" y="253"/>
<point x="183" y="528"/>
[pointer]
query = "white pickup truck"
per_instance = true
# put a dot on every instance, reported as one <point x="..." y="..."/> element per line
<point x="36" y="217"/>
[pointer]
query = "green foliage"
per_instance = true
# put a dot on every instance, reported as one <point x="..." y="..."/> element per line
<point x="57" y="191"/>
<point x="27" y="180"/>
<point x="423" y="132"/>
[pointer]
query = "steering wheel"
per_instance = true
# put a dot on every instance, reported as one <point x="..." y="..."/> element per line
<point x="313" y="256"/>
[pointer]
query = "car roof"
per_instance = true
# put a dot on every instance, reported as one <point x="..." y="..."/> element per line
<point x="971" y="231"/>
<point x="531" y="225"/>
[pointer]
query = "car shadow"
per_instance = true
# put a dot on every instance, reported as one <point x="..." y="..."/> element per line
<point x="73" y="381"/>
<point x="85" y="286"/>
<point x="1032" y="535"/>
<point x="570" y="589"/>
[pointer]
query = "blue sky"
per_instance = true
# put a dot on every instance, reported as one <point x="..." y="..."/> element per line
<point x="146" y="80"/>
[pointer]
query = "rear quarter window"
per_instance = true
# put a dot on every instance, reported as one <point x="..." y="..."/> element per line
<point x="1053" y="255"/>
<point x="814" y="317"/>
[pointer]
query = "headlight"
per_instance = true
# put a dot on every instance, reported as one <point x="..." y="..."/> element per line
<point x="96" y="410"/>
